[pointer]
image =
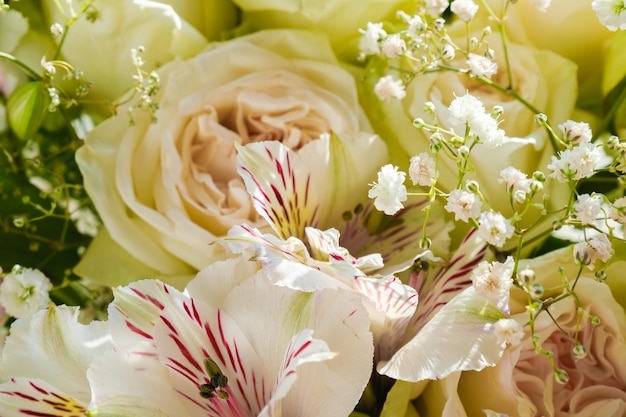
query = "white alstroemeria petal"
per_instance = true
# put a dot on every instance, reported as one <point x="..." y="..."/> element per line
<point x="336" y="317"/>
<point x="279" y="182"/>
<point x="324" y="246"/>
<point x="132" y="382"/>
<point x="287" y="263"/>
<point x="35" y="397"/>
<point x="303" y="348"/>
<point x="194" y="332"/>
<point x="135" y="310"/>
<point x="53" y="346"/>
<point x="352" y="163"/>
<point x="459" y="337"/>
<point x="392" y="304"/>
<point x="439" y="289"/>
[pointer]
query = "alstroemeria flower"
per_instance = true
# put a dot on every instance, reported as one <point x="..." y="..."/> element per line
<point x="454" y="327"/>
<point x="214" y="350"/>
<point x="288" y="263"/>
<point x="44" y="363"/>
<point x="219" y="328"/>
<point x="291" y="192"/>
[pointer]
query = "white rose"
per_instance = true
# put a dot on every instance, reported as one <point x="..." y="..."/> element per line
<point x="101" y="49"/>
<point x="165" y="191"/>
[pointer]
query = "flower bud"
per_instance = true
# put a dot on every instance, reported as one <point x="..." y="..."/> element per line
<point x="497" y="111"/>
<point x="612" y="142"/>
<point x="429" y="107"/>
<point x="539" y="176"/>
<point x="519" y="196"/>
<point x="561" y="376"/>
<point x="579" y="352"/>
<point x="536" y="186"/>
<point x="27" y="108"/>
<point x="447" y="52"/>
<point x="439" y="24"/>
<point x="472" y="186"/>
<point x="536" y="291"/>
<point x="526" y="276"/>
<point x="541" y="119"/>
<point x="419" y="123"/>
<point x="464" y="152"/>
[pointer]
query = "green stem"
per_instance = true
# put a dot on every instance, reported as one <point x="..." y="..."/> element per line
<point x="26" y="68"/>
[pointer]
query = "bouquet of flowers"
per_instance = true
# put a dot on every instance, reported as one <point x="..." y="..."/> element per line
<point x="314" y="208"/>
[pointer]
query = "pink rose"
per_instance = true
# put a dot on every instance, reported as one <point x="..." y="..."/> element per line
<point x="523" y="383"/>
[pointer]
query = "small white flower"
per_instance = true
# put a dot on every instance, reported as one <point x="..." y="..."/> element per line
<point x="509" y="331"/>
<point x="541" y="5"/>
<point x="24" y="292"/>
<point x="415" y="24"/>
<point x="464" y="205"/>
<point x="598" y="247"/>
<point x="436" y="7"/>
<point x="422" y="169"/>
<point x="481" y="66"/>
<point x="56" y="29"/>
<point x="494" y="228"/>
<point x="464" y="109"/>
<point x="465" y="9"/>
<point x="369" y="41"/>
<point x="393" y="46"/>
<point x="486" y="128"/>
<point x="588" y="208"/>
<point x="576" y="163"/>
<point x="515" y="180"/>
<point x="612" y="13"/>
<point x="618" y="210"/>
<point x="389" y="192"/>
<point x="468" y="110"/>
<point x="576" y="132"/>
<point x="387" y="88"/>
<point x="494" y="280"/>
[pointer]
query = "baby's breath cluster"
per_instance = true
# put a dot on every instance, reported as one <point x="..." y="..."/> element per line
<point x="593" y="221"/>
<point x="142" y="94"/>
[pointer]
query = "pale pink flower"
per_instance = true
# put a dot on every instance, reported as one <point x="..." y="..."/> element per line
<point x="422" y="169"/>
<point x="494" y="228"/>
<point x="463" y="204"/>
<point x="387" y="88"/>
<point x="465" y="9"/>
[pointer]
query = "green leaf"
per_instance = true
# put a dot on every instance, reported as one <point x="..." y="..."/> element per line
<point x="27" y="108"/>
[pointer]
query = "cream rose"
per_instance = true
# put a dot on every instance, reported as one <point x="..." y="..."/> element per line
<point x="18" y="39"/>
<point x="339" y="19"/>
<point x="165" y="191"/>
<point x="101" y="48"/>
<point x="523" y="383"/>
<point x="571" y="29"/>
<point x="544" y="79"/>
